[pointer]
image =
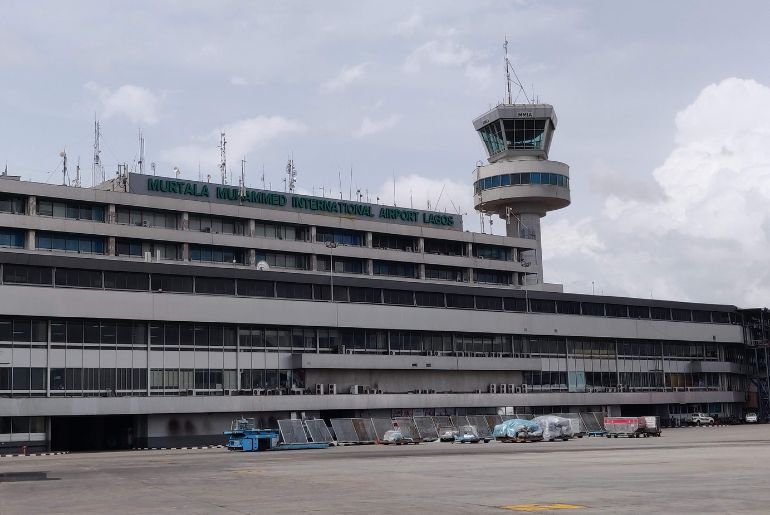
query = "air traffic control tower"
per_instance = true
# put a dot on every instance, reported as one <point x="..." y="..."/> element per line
<point x="520" y="183"/>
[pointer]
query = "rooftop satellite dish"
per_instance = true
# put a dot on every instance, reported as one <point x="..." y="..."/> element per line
<point x="262" y="265"/>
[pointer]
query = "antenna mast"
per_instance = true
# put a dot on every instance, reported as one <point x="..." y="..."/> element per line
<point x="291" y="174"/>
<point x="508" y="80"/>
<point x="242" y="185"/>
<point x="77" y="174"/>
<point x="223" y="157"/>
<point x="97" y="171"/>
<point x="141" y="152"/>
<point x="63" y="155"/>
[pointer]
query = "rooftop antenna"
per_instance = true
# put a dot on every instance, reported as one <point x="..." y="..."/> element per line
<point x="77" y="174"/>
<point x="97" y="170"/>
<point x="152" y="167"/>
<point x="263" y="175"/>
<point x="394" y="188"/>
<point x="339" y="180"/>
<point x="5" y="172"/>
<point x="177" y="172"/>
<point x="141" y="152"/>
<point x="439" y="196"/>
<point x="350" y="184"/>
<point x="223" y="157"/>
<point x="63" y="155"/>
<point x="199" y="171"/>
<point x="242" y="184"/>
<point x="508" y="70"/>
<point x="291" y="174"/>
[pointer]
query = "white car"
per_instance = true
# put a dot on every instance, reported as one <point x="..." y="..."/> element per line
<point x="751" y="418"/>
<point x="701" y="419"/>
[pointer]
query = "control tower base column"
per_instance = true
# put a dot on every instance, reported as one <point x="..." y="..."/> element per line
<point x="527" y="225"/>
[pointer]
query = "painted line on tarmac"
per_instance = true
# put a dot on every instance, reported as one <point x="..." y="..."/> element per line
<point x="34" y="454"/>
<point x="542" y="507"/>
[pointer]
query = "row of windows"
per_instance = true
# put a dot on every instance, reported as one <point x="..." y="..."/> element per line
<point x="581" y="381"/>
<point x="515" y="134"/>
<point x="143" y="217"/>
<point x="68" y="242"/>
<point x="22" y="425"/>
<point x="216" y="224"/>
<point x="11" y="238"/>
<point x="12" y="204"/>
<point x="515" y="179"/>
<point x="22" y="274"/>
<point x="70" y="209"/>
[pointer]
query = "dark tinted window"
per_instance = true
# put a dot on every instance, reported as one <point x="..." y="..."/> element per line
<point x="593" y="309"/>
<point x="401" y="297"/>
<point x="459" y="301"/>
<point x="430" y="299"/>
<point x="638" y="311"/>
<point x="489" y="303"/>
<point x="78" y="278"/>
<point x="172" y="283"/>
<point x="567" y="307"/>
<point x="294" y="290"/>
<point x="21" y="274"/>
<point x="249" y="288"/>
<point x="514" y="304"/>
<point x="681" y="315"/>
<point x="542" y="306"/>
<point x="368" y="295"/>
<point x="701" y="316"/>
<point x="660" y="313"/>
<point x="126" y="281"/>
<point x="720" y="317"/>
<point x="616" y="310"/>
<point x="215" y="285"/>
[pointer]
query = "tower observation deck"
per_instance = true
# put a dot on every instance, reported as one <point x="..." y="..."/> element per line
<point x="520" y="183"/>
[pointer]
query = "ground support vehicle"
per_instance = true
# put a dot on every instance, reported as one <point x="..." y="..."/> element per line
<point x="700" y="419"/>
<point x="244" y="436"/>
<point x="630" y="427"/>
<point x="751" y="418"/>
<point x="651" y="426"/>
<point x="396" y="437"/>
<point x="447" y="433"/>
<point x="468" y="434"/>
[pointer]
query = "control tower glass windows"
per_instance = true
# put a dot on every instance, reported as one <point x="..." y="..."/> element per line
<point x="339" y="236"/>
<point x="517" y="179"/>
<point x="492" y="136"/>
<point x="524" y="134"/>
<point x="11" y="204"/>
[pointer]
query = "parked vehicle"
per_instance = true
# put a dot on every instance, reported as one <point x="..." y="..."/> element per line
<point x="751" y="418"/>
<point x="447" y="433"/>
<point x="467" y="434"/>
<point x="700" y="419"/>
<point x="630" y="427"/>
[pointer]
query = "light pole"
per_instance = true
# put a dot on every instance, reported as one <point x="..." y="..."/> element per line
<point x="331" y="245"/>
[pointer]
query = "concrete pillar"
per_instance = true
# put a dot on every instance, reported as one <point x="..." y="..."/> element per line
<point x="469" y="249"/>
<point x="527" y="225"/>
<point x="471" y="278"/>
<point x="251" y="230"/>
<point x="185" y="251"/>
<point x="185" y="222"/>
<point x="31" y="205"/>
<point x="369" y="239"/>
<point x="421" y="245"/>
<point x="313" y="262"/>
<point x="370" y="267"/>
<point x="30" y="243"/>
<point x="252" y="256"/>
<point x="421" y="271"/>
<point x="312" y="233"/>
<point x="111" y="245"/>
<point x="111" y="217"/>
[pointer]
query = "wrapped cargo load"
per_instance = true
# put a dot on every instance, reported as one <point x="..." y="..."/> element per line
<point x="554" y="428"/>
<point x="517" y="429"/>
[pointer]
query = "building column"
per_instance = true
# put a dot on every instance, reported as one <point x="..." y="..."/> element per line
<point x="471" y="278"/>
<point x="421" y="245"/>
<point x="185" y="251"/>
<point x="469" y="249"/>
<point x="185" y="221"/>
<point x="369" y="239"/>
<point x="252" y="257"/>
<point x="111" y="217"/>
<point x="312" y="233"/>
<point x="252" y="228"/>
<point x="30" y="243"/>
<point x="421" y="270"/>
<point x="313" y="262"/>
<point x="31" y="205"/>
<point x="111" y="245"/>
<point x="370" y="267"/>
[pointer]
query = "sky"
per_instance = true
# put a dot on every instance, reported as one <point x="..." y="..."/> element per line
<point x="663" y="107"/>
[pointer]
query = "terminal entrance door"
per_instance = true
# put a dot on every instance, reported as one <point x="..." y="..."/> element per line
<point x="93" y="433"/>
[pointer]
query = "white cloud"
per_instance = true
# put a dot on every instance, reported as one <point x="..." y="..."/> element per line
<point x="440" y="53"/>
<point x="140" y="105"/>
<point x="410" y="24"/>
<point x="236" y="80"/>
<point x="704" y="236"/>
<point x="243" y="137"/>
<point x="347" y="76"/>
<point x="369" y="126"/>
<point x="419" y="192"/>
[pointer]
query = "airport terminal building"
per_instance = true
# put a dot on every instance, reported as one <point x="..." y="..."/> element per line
<point x="150" y="311"/>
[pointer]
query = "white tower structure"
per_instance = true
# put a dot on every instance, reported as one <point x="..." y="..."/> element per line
<point x="520" y="183"/>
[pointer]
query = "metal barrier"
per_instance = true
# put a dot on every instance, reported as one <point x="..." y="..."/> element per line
<point x="292" y="431"/>
<point x="426" y="428"/>
<point x="381" y="425"/>
<point x="441" y="421"/>
<point x="407" y="427"/>
<point x="591" y="422"/>
<point x="494" y="420"/>
<point x="459" y="420"/>
<point x="576" y="424"/>
<point x="481" y="425"/>
<point x="344" y="430"/>
<point x="364" y="430"/>
<point x="319" y="433"/>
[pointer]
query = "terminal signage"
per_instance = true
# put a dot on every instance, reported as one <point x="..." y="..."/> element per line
<point x="193" y="190"/>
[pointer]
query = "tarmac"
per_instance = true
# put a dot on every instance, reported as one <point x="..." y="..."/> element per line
<point x="694" y="470"/>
